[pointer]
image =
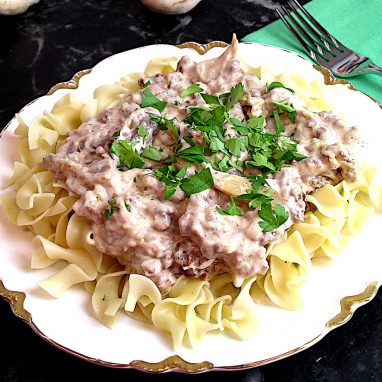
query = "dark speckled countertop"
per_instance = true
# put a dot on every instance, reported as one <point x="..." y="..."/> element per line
<point x="54" y="40"/>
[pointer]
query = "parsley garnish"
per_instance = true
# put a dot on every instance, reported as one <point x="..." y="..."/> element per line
<point x="189" y="140"/>
<point x="153" y="153"/>
<point x="193" y="89"/>
<point x="272" y="218"/>
<point x="124" y="150"/>
<point x="182" y="172"/>
<point x="210" y="99"/>
<point x="150" y="100"/>
<point x="111" y="209"/>
<point x="171" y="178"/>
<point x="165" y="123"/>
<point x="236" y="145"/>
<point x="177" y="103"/>
<point x="232" y="210"/>
<point x="239" y="126"/>
<point x="215" y="143"/>
<point x="228" y="100"/>
<point x="285" y="107"/>
<point x="257" y="181"/>
<point x="235" y="95"/>
<point x="193" y="154"/>
<point x="128" y="206"/>
<point x="207" y="117"/>
<point x="261" y="160"/>
<point x="170" y="159"/>
<point x="274" y="85"/>
<point x="256" y="124"/>
<point x="279" y="125"/>
<point x="147" y="83"/>
<point x="142" y="132"/>
<point x="266" y="150"/>
<point x="197" y="183"/>
<point x="223" y="163"/>
<point x="254" y="198"/>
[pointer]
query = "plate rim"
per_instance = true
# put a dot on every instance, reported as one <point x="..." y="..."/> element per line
<point x="348" y="304"/>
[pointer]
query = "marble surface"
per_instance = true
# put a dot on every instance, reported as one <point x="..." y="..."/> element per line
<point x="51" y="42"/>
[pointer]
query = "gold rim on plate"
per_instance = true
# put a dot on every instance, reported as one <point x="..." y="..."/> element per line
<point x="348" y="304"/>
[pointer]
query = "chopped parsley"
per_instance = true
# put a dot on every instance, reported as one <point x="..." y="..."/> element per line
<point x="272" y="218"/>
<point x="265" y="150"/>
<point x="215" y="143"/>
<point x="285" y="107"/>
<point x="126" y="154"/>
<point x="252" y="147"/>
<point x="238" y="125"/>
<point x="111" y="209"/>
<point x="236" y="145"/>
<point x="170" y="159"/>
<point x="150" y="100"/>
<point x="274" y="85"/>
<point x="153" y="153"/>
<point x="257" y="181"/>
<point x="206" y="117"/>
<point x="232" y="210"/>
<point x="223" y="163"/>
<point x="235" y="95"/>
<point x="142" y="132"/>
<point x="193" y="154"/>
<point x="254" y="198"/>
<point x="165" y="123"/>
<point x="279" y="125"/>
<point x="182" y="172"/>
<point x="227" y="100"/>
<point x="171" y="178"/>
<point x="193" y="89"/>
<point x="256" y="124"/>
<point x="210" y="99"/>
<point x="263" y="161"/>
<point x="128" y="206"/>
<point x="147" y="83"/>
<point x="197" y="183"/>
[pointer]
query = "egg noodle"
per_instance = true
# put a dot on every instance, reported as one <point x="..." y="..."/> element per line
<point x="193" y="307"/>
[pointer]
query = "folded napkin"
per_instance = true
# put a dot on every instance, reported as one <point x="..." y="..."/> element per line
<point x="356" y="23"/>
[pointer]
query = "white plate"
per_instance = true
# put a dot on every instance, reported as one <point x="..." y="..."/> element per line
<point x="69" y="322"/>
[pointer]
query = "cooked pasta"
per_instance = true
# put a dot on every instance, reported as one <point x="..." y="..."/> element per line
<point x="193" y="307"/>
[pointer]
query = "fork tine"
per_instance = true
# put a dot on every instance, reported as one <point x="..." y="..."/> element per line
<point x="294" y="32"/>
<point x="313" y="45"/>
<point x="304" y="33"/>
<point x="321" y="40"/>
<point x="319" y="27"/>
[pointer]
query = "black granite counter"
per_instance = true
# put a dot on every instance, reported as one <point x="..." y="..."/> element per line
<point x="51" y="42"/>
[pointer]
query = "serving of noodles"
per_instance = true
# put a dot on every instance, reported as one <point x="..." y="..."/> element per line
<point x="196" y="300"/>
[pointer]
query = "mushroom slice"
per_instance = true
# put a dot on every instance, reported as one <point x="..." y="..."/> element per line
<point x="14" y="7"/>
<point x="235" y="185"/>
<point x="173" y="7"/>
<point x="230" y="184"/>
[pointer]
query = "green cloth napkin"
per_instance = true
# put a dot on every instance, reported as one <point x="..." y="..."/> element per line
<point x="356" y="23"/>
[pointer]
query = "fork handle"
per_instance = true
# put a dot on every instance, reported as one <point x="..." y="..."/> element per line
<point x="371" y="68"/>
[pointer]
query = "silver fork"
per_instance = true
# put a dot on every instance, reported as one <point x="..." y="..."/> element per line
<point x="324" y="49"/>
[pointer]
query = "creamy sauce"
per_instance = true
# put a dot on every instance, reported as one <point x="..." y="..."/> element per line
<point x="163" y="239"/>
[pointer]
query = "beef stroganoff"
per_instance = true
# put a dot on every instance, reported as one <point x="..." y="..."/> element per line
<point x="189" y="194"/>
